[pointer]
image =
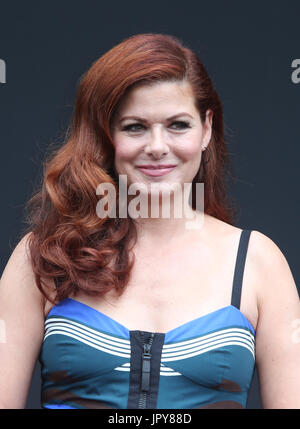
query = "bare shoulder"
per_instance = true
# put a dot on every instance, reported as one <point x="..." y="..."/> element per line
<point x="263" y="254"/>
<point x="20" y="257"/>
<point x="265" y="246"/>
<point x="22" y="250"/>
<point x="277" y="340"/>
<point x="22" y="317"/>
<point x="268" y="270"/>
<point x="18" y="276"/>
<point x="273" y="274"/>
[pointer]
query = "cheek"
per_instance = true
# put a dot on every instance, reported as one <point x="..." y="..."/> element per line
<point x="189" y="152"/>
<point x="123" y="150"/>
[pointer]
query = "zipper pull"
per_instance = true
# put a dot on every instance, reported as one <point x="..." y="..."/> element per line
<point x="146" y="356"/>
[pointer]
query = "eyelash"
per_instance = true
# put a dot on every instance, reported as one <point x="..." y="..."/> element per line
<point x="183" y="123"/>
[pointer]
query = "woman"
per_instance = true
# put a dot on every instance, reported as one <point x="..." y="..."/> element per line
<point x="144" y="311"/>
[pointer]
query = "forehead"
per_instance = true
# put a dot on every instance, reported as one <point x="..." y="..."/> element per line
<point x="159" y="98"/>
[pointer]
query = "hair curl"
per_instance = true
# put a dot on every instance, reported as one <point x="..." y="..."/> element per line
<point x="68" y="242"/>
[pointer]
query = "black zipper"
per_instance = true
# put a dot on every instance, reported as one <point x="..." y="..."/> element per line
<point x="146" y="368"/>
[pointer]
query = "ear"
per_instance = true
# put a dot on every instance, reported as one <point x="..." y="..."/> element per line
<point x="207" y="128"/>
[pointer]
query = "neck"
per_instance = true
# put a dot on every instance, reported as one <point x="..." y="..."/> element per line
<point x="162" y="230"/>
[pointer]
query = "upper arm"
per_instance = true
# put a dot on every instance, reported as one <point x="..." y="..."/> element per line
<point x="277" y="334"/>
<point x="21" y="327"/>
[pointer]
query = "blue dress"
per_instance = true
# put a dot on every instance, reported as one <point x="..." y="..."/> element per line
<point x="89" y="360"/>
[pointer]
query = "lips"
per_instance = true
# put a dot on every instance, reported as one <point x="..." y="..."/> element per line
<point x="153" y="171"/>
<point x="157" y="166"/>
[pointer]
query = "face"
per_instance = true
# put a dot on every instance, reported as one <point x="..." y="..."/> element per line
<point x="159" y="125"/>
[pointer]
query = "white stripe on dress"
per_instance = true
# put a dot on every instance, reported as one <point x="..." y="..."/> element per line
<point x="170" y="352"/>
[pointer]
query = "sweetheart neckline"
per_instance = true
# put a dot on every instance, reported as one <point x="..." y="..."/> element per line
<point x="165" y="333"/>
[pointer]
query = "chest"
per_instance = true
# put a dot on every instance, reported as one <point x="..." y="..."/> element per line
<point x="169" y="287"/>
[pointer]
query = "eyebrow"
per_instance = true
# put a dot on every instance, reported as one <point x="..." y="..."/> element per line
<point x="145" y="120"/>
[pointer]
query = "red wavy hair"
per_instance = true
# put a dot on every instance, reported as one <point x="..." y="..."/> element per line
<point x="68" y="242"/>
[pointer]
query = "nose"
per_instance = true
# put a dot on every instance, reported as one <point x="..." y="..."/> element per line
<point x="156" y="145"/>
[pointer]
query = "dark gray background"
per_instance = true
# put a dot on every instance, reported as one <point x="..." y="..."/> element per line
<point x="247" y="47"/>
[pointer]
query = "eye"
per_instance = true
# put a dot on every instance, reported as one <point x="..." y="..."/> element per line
<point x="135" y="127"/>
<point x="132" y="126"/>
<point x="182" y="124"/>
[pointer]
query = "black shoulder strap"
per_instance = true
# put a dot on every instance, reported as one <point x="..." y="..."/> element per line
<point x="239" y="268"/>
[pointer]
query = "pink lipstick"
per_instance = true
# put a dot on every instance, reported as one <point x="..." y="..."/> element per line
<point x="156" y="170"/>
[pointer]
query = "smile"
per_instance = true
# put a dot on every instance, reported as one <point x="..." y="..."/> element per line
<point x="156" y="171"/>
